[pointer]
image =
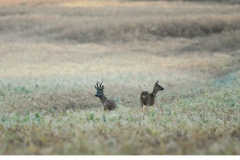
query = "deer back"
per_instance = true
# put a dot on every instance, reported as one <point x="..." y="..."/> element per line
<point x="109" y="105"/>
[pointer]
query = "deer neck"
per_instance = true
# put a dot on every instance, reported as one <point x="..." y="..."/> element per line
<point x="154" y="92"/>
<point x="103" y="98"/>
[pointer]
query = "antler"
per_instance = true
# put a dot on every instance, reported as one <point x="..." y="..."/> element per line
<point x="100" y="84"/>
<point x="97" y="84"/>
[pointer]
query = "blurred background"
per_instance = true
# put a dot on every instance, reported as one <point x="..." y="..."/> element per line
<point x="53" y="52"/>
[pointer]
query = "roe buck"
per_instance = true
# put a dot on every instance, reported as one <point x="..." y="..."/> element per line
<point x="148" y="99"/>
<point x="107" y="103"/>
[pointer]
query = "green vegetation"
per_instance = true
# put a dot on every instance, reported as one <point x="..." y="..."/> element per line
<point x="52" y="56"/>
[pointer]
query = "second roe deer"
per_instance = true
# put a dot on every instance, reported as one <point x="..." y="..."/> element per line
<point x="107" y="103"/>
<point x="148" y="99"/>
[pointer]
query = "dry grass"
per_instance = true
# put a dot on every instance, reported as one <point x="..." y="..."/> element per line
<point x="149" y="23"/>
<point x="52" y="56"/>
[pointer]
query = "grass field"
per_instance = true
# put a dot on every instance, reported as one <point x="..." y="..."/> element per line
<point x="52" y="53"/>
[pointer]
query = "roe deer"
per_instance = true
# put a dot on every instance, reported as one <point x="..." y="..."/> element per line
<point x="107" y="103"/>
<point x="148" y="99"/>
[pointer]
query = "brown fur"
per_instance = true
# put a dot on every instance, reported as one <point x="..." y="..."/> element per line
<point x="107" y="103"/>
<point x="149" y="99"/>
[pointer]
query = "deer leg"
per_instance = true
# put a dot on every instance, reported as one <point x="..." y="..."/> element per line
<point x="141" y="103"/>
<point x="148" y="102"/>
<point x="146" y="109"/>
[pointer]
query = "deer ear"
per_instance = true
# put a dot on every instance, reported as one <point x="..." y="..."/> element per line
<point x="156" y="82"/>
<point x="95" y="87"/>
<point x="102" y="87"/>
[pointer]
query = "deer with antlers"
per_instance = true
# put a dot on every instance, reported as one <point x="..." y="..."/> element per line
<point x="149" y="99"/>
<point x="107" y="103"/>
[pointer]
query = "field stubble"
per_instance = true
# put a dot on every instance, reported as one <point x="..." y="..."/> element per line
<point x="52" y="56"/>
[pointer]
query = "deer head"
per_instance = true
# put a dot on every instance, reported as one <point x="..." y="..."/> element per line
<point x="99" y="87"/>
<point x="158" y="87"/>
